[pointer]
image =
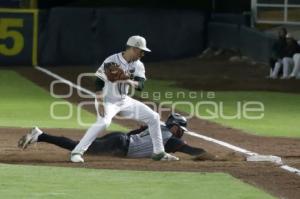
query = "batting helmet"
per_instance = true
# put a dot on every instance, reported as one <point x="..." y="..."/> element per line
<point x="177" y="119"/>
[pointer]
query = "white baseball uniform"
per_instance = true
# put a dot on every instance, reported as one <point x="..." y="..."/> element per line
<point x="288" y="63"/>
<point x="296" y="69"/>
<point x="275" y="71"/>
<point x="116" y="101"/>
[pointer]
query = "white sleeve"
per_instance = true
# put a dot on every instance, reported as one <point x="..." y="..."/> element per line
<point x="139" y="70"/>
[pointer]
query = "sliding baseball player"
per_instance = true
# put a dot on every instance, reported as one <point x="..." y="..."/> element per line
<point x="134" y="144"/>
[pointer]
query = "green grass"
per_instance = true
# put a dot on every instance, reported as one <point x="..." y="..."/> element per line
<point x="281" y="110"/>
<point x="53" y="182"/>
<point x="24" y="104"/>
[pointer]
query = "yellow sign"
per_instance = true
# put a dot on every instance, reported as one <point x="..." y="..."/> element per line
<point x="18" y="37"/>
<point x="6" y="31"/>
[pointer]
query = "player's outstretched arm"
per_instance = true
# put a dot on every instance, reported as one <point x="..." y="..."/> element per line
<point x="193" y="151"/>
<point x="199" y="154"/>
<point x="177" y="145"/>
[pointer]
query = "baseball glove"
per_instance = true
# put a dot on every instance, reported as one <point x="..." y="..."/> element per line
<point x="114" y="72"/>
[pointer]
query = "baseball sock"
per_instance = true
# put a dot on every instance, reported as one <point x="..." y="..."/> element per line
<point x="60" y="141"/>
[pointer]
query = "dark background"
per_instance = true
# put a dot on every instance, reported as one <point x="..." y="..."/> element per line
<point x="233" y="6"/>
<point x="85" y="32"/>
<point x="225" y="6"/>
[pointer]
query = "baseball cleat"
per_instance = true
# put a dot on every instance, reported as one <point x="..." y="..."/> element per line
<point x="29" y="138"/>
<point x="76" y="158"/>
<point x="291" y="77"/>
<point x="164" y="157"/>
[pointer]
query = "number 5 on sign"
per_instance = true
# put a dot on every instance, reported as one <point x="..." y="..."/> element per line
<point x="7" y="31"/>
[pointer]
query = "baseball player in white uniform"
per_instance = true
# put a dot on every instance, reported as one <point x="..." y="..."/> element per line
<point x="113" y="99"/>
<point x="290" y="59"/>
<point x="296" y="70"/>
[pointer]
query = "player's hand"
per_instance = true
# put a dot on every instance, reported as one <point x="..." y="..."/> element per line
<point x="131" y="82"/>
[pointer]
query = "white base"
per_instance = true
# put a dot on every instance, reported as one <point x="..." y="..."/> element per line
<point x="264" y="158"/>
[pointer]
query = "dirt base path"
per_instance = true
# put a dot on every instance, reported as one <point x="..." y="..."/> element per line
<point x="263" y="175"/>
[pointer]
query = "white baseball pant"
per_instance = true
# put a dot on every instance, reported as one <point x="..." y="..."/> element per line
<point x="287" y="62"/>
<point x="296" y="69"/>
<point x="276" y="69"/>
<point x="131" y="109"/>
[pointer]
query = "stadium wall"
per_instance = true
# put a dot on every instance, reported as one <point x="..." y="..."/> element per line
<point x="85" y="36"/>
<point x="248" y="41"/>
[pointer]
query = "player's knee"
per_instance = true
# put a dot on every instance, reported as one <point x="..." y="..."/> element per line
<point x="155" y="117"/>
<point x="285" y="60"/>
<point x="296" y="57"/>
<point x="105" y="121"/>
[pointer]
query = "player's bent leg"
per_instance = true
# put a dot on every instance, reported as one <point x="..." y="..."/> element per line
<point x="296" y="69"/>
<point x="91" y="134"/>
<point x="140" y="112"/>
<point x="87" y="139"/>
<point x="153" y="122"/>
<point x="276" y="70"/>
<point x="95" y="130"/>
<point x="287" y="63"/>
<point x="152" y="119"/>
<point x="115" y="144"/>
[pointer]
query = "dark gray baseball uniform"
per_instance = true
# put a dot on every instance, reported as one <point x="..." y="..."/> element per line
<point x="135" y="144"/>
<point x="140" y="145"/>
